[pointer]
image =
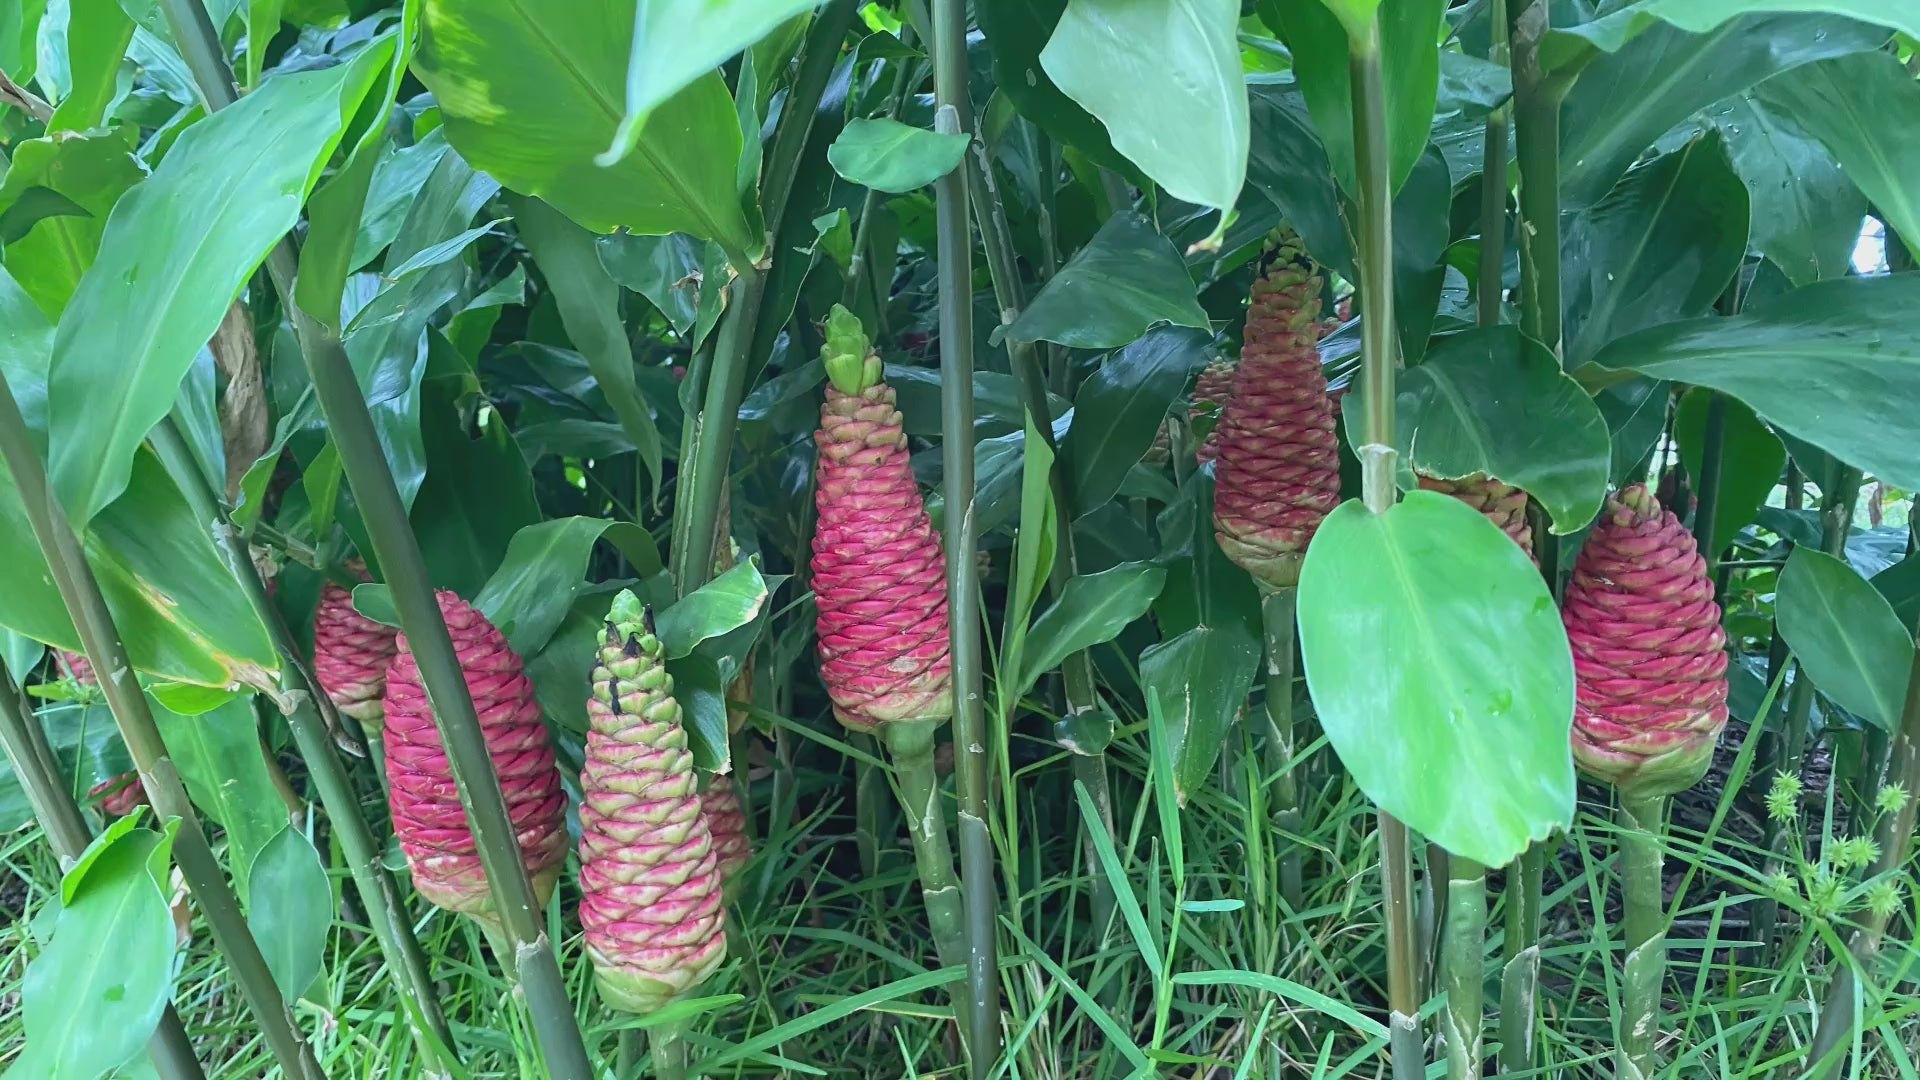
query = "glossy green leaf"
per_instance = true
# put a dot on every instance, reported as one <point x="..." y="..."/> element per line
<point x="1835" y="364"/>
<point x="589" y="303"/>
<point x="997" y="406"/>
<point x="675" y="43"/>
<point x="1290" y="165"/>
<point x="1846" y="635"/>
<point x="97" y="35"/>
<point x="1016" y="31"/>
<point x="1570" y="48"/>
<point x="177" y="248"/>
<point x="1127" y="279"/>
<point x="1493" y="401"/>
<point x="1441" y="673"/>
<point x="1091" y="610"/>
<point x="1201" y="680"/>
<point x="88" y="171"/>
<point x="561" y="668"/>
<point x="1419" y="251"/>
<point x="701" y="691"/>
<point x="89" y="1001"/>
<point x="1636" y="413"/>
<point x="1850" y="103"/>
<point x="1751" y="461"/>
<point x="545" y="569"/>
<point x="1165" y="79"/>
<point x="887" y="155"/>
<point x="1623" y="102"/>
<point x="85" y="742"/>
<point x="290" y="910"/>
<point x="398" y="177"/>
<point x="1661" y="246"/>
<point x="532" y="96"/>
<point x="19" y="33"/>
<point x="1120" y="407"/>
<point x="664" y="269"/>
<point x="1806" y="208"/>
<point x="1900" y="584"/>
<point x="1409" y="67"/>
<point x="726" y="603"/>
<point x="223" y="764"/>
<point x="1204" y="587"/>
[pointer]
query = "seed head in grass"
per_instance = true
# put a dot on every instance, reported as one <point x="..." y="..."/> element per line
<point x="1854" y="852"/>
<point x="1783" y="797"/>
<point x="1826" y="894"/>
<point x="1890" y="799"/>
<point x="1884" y="898"/>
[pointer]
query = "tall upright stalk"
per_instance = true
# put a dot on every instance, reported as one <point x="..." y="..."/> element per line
<point x="73" y="576"/>
<point x="1706" y="486"/>
<point x="1283" y="790"/>
<point x="1642" y="819"/>
<point x="1536" y="135"/>
<point x="531" y="958"/>
<point x="299" y="693"/>
<point x="971" y="768"/>
<point x="38" y="771"/>
<point x="1837" y="1015"/>
<point x="1493" y="183"/>
<point x="1377" y="462"/>
<point x="1461" y="972"/>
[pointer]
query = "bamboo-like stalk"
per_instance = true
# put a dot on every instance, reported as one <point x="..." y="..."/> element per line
<point x="910" y="744"/>
<point x="1283" y="787"/>
<point x="1462" y="967"/>
<point x="857" y="270"/>
<point x="1536" y="135"/>
<point x="73" y="576"/>
<point x="1642" y="819"/>
<point x="298" y="698"/>
<point x="1707" y="485"/>
<point x="971" y="766"/>
<point x="531" y="958"/>
<point x="38" y="771"/>
<point x="1837" y="1014"/>
<point x="1520" y="964"/>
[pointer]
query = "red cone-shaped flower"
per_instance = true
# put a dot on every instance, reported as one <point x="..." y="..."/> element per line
<point x="350" y="656"/>
<point x="120" y="795"/>
<point x="728" y="825"/>
<point x="78" y="666"/>
<point x="649" y="877"/>
<point x="427" y="816"/>
<point x="1277" y="473"/>
<point x="1211" y="392"/>
<point x="1503" y="504"/>
<point x="1648" y="650"/>
<point x="878" y="575"/>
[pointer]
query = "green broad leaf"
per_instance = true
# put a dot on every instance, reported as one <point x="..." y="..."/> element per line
<point x="560" y="669"/>
<point x="1289" y="164"/>
<point x="1568" y="49"/>
<point x="398" y="177"/>
<point x="1834" y="364"/>
<point x="222" y="761"/>
<point x="1636" y="412"/>
<point x="90" y="1000"/>
<point x="1624" y="101"/>
<point x="835" y="237"/>
<point x="1120" y="407"/>
<point x="544" y="571"/>
<point x="1419" y="251"/>
<point x="1848" y="639"/>
<point x="19" y="34"/>
<point x="1806" y="207"/>
<point x="1016" y="31"/>
<point x="722" y="605"/>
<point x="887" y="155"/>
<point x="532" y="97"/>
<point x="1201" y="680"/>
<point x="86" y="744"/>
<point x="675" y="43"/>
<point x="589" y="303"/>
<point x="1850" y="103"/>
<point x="664" y="269"/>
<point x="375" y="601"/>
<point x="89" y="172"/>
<point x="290" y="910"/>
<point x="1092" y="609"/>
<point x="176" y="250"/>
<point x="1661" y="246"/>
<point x="1409" y="67"/>
<point x="998" y="408"/>
<point x="26" y="344"/>
<point x="1429" y="636"/>
<point x="1035" y="545"/>
<point x="1204" y="587"/>
<point x="1127" y="279"/>
<point x="701" y="690"/>
<point x="1900" y="584"/>
<point x="1493" y="401"/>
<point x="1165" y="80"/>
<point x="1751" y="461"/>
<point x="97" y="34"/>
<point x="263" y="21"/>
<point x="188" y="699"/>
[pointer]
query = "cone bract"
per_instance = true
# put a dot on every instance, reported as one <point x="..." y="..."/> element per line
<point x="79" y="667"/>
<point x="1649" y="654"/>
<point x="120" y="795"/>
<point x="727" y="823"/>
<point x="1277" y="469"/>
<point x="350" y="656"/>
<point x="427" y="816"/>
<point x="1502" y="504"/>
<point x="1213" y="388"/>
<point x="879" y="576"/>
<point x="650" y="881"/>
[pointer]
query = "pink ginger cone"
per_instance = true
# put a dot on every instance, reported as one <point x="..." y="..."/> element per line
<point x="1214" y="388"/>
<point x="120" y="794"/>
<point x="350" y="656"/>
<point x="427" y="815"/>
<point x="650" y="879"/>
<point x="1277" y="470"/>
<point x="728" y="825"/>
<point x="878" y="574"/>
<point x="1502" y="504"/>
<point x="1648" y="650"/>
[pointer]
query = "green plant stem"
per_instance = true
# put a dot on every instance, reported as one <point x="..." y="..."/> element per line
<point x="1706" y="486"/>
<point x="971" y="766"/>
<point x="297" y="700"/>
<point x="1536" y="135"/>
<point x="1403" y="951"/>
<point x="910" y="744"/>
<point x="1837" y="1014"/>
<point x="869" y="787"/>
<point x="1644" y="927"/>
<point x="668" y="1043"/>
<point x="1493" y="195"/>
<point x="857" y="271"/>
<point x="1462" y="966"/>
<point x="1520" y="967"/>
<point x="1432" y="916"/>
<point x="1283" y="791"/>
<point x="38" y="772"/>
<point x="702" y="487"/>
<point x="73" y="576"/>
<point x="626" y="1053"/>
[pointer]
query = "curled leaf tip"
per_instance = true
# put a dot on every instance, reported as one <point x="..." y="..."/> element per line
<point x="848" y="353"/>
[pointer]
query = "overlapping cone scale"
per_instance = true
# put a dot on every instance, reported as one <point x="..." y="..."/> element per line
<point x="1502" y="504"/>
<point x="879" y="576"/>
<point x="120" y="795"/>
<point x="79" y="667"/>
<point x="727" y="823"/>
<point x="1648" y="651"/>
<point x="427" y="816"/>
<point x="1277" y="466"/>
<point x="351" y="654"/>
<point x="650" y="879"/>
